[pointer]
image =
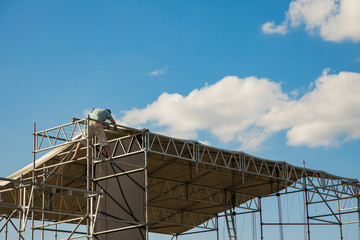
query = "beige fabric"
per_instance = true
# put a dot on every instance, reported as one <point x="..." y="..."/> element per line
<point x="96" y="128"/>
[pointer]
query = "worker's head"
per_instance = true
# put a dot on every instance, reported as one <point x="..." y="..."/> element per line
<point x="108" y="110"/>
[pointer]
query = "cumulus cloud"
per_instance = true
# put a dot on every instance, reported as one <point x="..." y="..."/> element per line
<point x="249" y="110"/>
<point x="333" y="20"/>
<point x="327" y="115"/>
<point x="228" y="109"/>
<point x="271" y="28"/>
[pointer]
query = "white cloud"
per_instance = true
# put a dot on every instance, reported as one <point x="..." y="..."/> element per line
<point x="334" y="20"/>
<point x="325" y="116"/>
<point x="249" y="110"/>
<point x="228" y="109"/>
<point x="271" y="28"/>
<point x="158" y="72"/>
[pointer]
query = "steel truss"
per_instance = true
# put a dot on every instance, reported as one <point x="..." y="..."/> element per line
<point x="59" y="196"/>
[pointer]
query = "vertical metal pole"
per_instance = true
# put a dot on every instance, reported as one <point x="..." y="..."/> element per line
<point x="281" y="230"/>
<point x="217" y="227"/>
<point x="306" y="204"/>
<point x="43" y="206"/>
<point x="340" y="223"/>
<point x="307" y="211"/>
<point x="358" y="209"/>
<point x="261" y="220"/>
<point x="43" y="216"/>
<point x="21" y="207"/>
<point x="93" y="217"/>
<point x="88" y="177"/>
<point x="33" y="179"/>
<point x="56" y="233"/>
<point x="32" y="220"/>
<point x="91" y="199"/>
<point x="195" y="157"/>
<point x="254" y="233"/>
<point x="6" y="231"/>
<point x="146" y="135"/>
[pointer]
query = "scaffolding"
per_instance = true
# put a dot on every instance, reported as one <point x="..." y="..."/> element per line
<point x="158" y="184"/>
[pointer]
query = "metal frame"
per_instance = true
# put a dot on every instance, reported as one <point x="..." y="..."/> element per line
<point x="32" y="193"/>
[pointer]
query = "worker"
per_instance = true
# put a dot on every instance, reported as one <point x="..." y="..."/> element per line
<point x="97" y="128"/>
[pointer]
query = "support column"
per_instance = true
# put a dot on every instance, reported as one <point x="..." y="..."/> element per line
<point x="340" y="222"/>
<point x="88" y="162"/>
<point x="93" y="214"/>
<point x="358" y="210"/>
<point x="261" y="221"/>
<point x="306" y="204"/>
<point x="21" y="209"/>
<point x="281" y="230"/>
<point x="43" y="207"/>
<point x="217" y="227"/>
<point x="56" y="233"/>
<point x="6" y="231"/>
<point x="33" y="179"/>
<point x="145" y="136"/>
<point x="307" y="212"/>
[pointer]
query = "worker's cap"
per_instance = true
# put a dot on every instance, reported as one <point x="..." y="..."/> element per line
<point x="109" y="110"/>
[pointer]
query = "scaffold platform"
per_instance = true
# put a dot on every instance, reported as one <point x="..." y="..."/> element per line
<point x="155" y="184"/>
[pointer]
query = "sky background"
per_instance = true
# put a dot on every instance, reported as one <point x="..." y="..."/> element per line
<point x="277" y="79"/>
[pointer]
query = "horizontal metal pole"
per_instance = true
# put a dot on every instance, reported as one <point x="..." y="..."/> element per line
<point x="58" y="213"/>
<point x="58" y="222"/>
<point x="310" y="188"/>
<point x="294" y="224"/>
<point x="59" y="230"/>
<point x="75" y="237"/>
<point x="119" y="174"/>
<point x="177" y="224"/>
<point x="203" y="231"/>
<point x="81" y="121"/>
<point x="332" y="200"/>
<point x="347" y="212"/>
<point x="11" y="206"/>
<point x="119" y="229"/>
<point x="46" y="136"/>
<point x="9" y="189"/>
<point x="241" y="213"/>
<point x="121" y="221"/>
<point x="118" y="157"/>
<point x="323" y="220"/>
<point x="324" y="215"/>
<point x="48" y="185"/>
<point x="352" y="222"/>
<point x="177" y="211"/>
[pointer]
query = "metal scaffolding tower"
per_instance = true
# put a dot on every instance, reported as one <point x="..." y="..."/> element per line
<point x="158" y="184"/>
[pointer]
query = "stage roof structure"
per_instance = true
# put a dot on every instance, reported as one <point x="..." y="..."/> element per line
<point x="151" y="183"/>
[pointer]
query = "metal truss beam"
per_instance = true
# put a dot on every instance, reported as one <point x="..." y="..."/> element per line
<point x="242" y="162"/>
<point x="180" y="217"/>
<point x="195" y="192"/>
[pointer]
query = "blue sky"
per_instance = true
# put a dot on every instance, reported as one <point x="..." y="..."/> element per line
<point x="277" y="79"/>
